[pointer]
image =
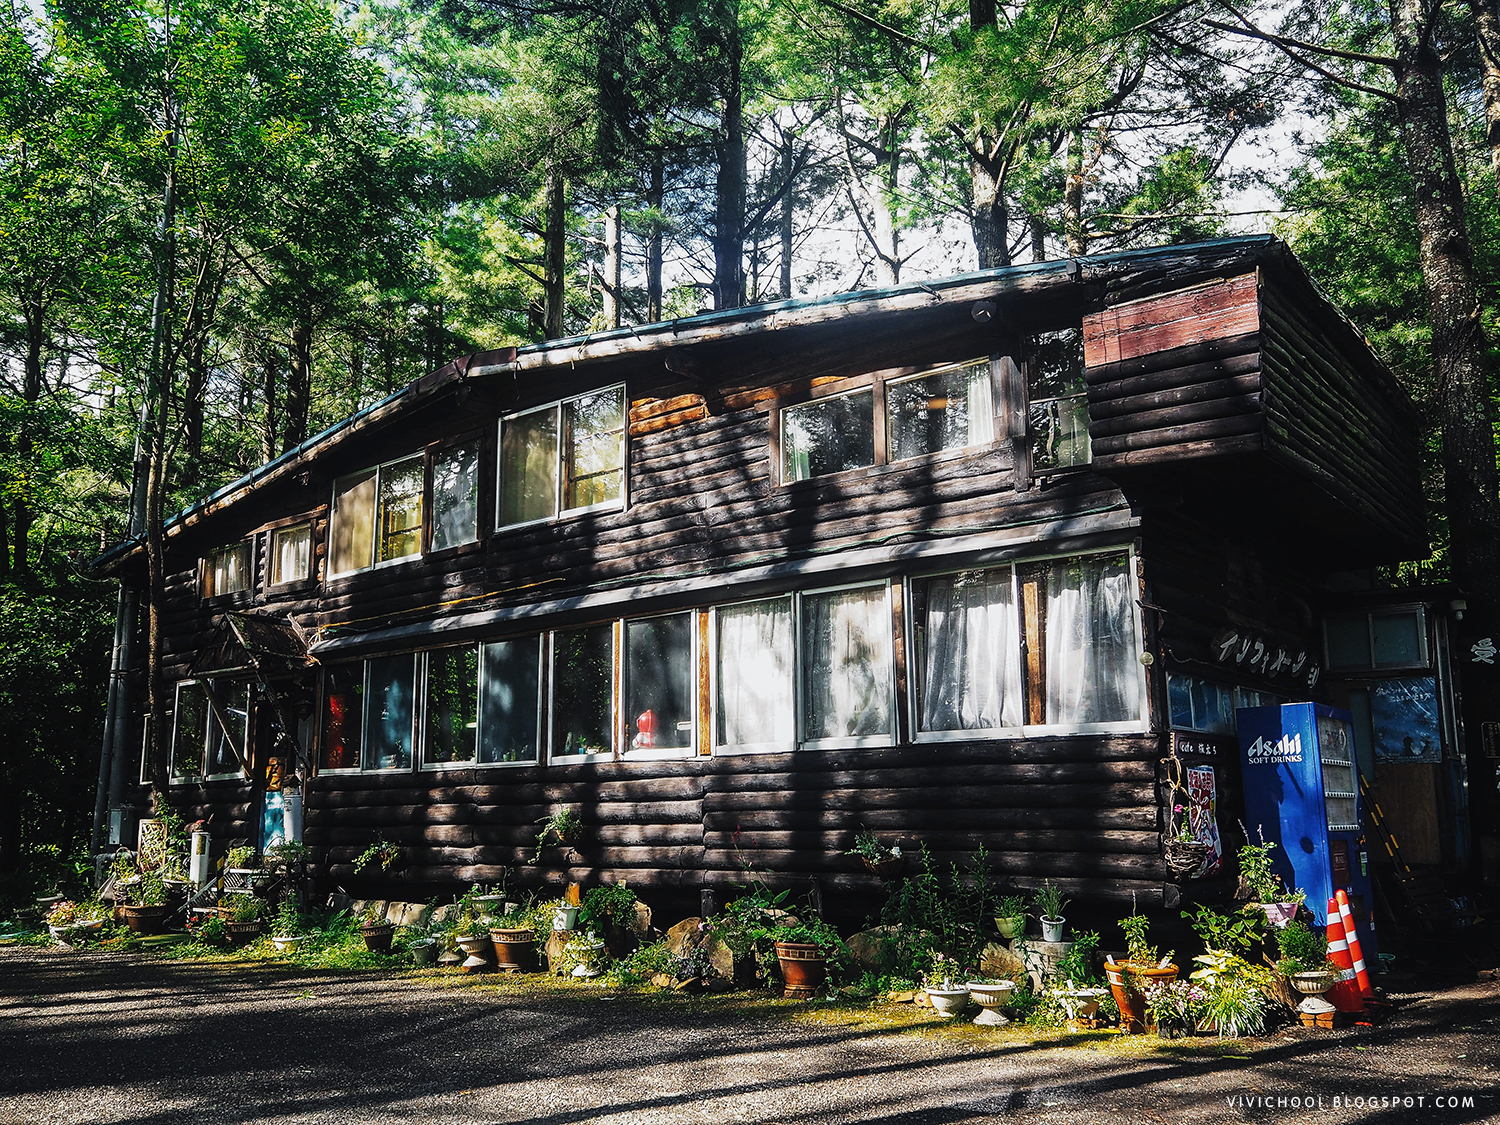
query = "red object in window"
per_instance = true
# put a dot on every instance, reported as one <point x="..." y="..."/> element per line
<point x="645" y="724"/>
<point x="336" y="751"/>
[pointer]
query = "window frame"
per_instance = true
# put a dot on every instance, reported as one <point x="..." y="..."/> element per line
<point x="615" y="703"/>
<point x="429" y="493"/>
<point x="207" y="587"/>
<point x="237" y="774"/>
<point x="559" y="459"/>
<point x="1028" y="435"/>
<point x="891" y="738"/>
<point x="422" y="765"/>
<point x="1369" y="614"/>
<point x="379" y="473"/>
<point x="914" y="667"/>
<point x="622" y="675"/>
<point x="173" y="777"/>
<point x="418" y="668"/>
<point x="310" y="573"/>
<point x="717" y="748"/>
<point x="876" y="382"/>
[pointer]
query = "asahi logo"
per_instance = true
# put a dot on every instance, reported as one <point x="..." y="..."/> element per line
<point x="1262" y="751"/>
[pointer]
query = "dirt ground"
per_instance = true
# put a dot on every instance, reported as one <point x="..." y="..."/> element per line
<point x="91" y="1038"/>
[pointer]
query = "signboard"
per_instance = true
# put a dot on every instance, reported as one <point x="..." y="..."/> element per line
<point x="1204" y="745"/>
<point x="1203" y="816"/>
<point x="1404" y="717"/>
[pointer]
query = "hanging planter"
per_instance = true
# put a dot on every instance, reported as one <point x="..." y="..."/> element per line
<point x="1185" y="858"/>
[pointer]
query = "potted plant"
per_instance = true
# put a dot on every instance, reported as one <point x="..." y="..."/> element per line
<point x="1259" y="880"/>
<point x="1174" y="1007"/>
<point x="62" y="917"/>
<point x="514" y="937"/>
<point x="1304" y="961"/>
<point x="610" y="911"/>
<point x="147" y="915"/>
<point x="563" y="825"/>
<point x="1142" y="966"/>
<point x="244" y="923"/>
<point x="383" y="852"/>
<point x="803" y="950"/>
<point x="1184" y="852"/>
<point x="991" y="994"/>
<point x="422" y="946"/>
<point x="1237" y="993"/>
<point x="1010" y="916"/>
<point x="1049" y="905"/>
<point x="286" y="927"/>
<point x="377" y="932"/>
<point x="883" y="861"/>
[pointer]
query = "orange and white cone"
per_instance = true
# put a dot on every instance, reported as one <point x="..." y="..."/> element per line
<point x="1344" y="995"/>
<point x="1351" y="935"/>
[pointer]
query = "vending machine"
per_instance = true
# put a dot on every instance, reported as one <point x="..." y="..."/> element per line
<point x="1302" y="791"/>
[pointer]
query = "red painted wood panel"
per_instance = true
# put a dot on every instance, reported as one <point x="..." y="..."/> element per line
<point x="1156" y="324"/>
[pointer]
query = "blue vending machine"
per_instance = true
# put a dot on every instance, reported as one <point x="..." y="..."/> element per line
<point x="1302" y="791"/>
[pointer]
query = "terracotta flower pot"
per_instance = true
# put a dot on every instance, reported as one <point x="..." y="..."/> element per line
<point x="146" y="919"/>
<point x="515" y="950"/>
<point x="1126" y="979"/>
<point x="804" y="967"/>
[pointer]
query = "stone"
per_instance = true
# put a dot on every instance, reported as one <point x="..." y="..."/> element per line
<point x="685" y="937"/>
<point x="642" y="921"/>
<point x="874" y="950"/>
<point x="408" y="913"/>
<point x="995" y="960"/>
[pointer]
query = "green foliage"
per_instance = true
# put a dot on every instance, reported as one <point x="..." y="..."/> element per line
<point x="1238" y="933"/>
<point x="1303" y="950"/>
<point x="242" y="857"/>
<point x="288" y="921"/>
<point x="1137" y="949"/>
<point x="151" y="890"/>
<point x="1010" y="906"/>
<point x="940" y="914"/>
<point x="1238" y="994"/>
<point x="1048" y="901"/>
<point x="1257" y="872"/>
<point x="382" y="851"/>
<point x="564" y="826"/>
<point x="609" y="904"/>
<point x="1077" y="964"/>
<point x="646" y="962"/>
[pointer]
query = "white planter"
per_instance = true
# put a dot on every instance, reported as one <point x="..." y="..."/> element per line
<point x="287" y="944"/>
<point x="948" y="1002"/>
<point x="565" y="918"/>
<point x="1052" y="929"/>
<point x="991" y="997"/>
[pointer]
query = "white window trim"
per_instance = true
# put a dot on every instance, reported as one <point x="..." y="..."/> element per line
<point x="429" y="494"/>
<point x="1141" y="725"/>
<point x="881" y="740"/>
<point x="364" y="679"/>
<point x="416" y="717"/>
<point x="379" y="471"/>
<point x="558" y="511"/>
<point x="952" y="449"/>
<point x="187" y="778"/>
<point x="877" y="403"/>
<point x="730" y="749"/>
<point x="914" y="672"/>
<point x="424" y="766"/>
<point x="611" y="754"/>
<point x="670" y="753"/>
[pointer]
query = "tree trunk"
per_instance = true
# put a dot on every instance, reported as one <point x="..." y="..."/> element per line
<point x="270" y="424"/>
<point x="554" y="239"/>
<point x="655" y="196"/>
<point x="1037" y="224"/>
<point x="192" y="402"/>
<point x="1073" y="233"/>
<point x="1487" y="38"/>
<point x="729" y="197"/>
<point x="611" y="280"/>
<point x="298" y="398"/>
<point x="991" y="216"/>
<point x="1458" y="351"/>
<point x="31" y="393"/>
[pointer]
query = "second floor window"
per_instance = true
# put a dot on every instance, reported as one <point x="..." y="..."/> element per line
<point x="227" y="570"/>
<point x="376" y="517"/>
<point x="565" y="457"/>
<point x="1057" y="408"/>
<point x="291" y="553"/>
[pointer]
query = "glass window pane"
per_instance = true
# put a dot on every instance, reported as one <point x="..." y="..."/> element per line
<point x="659" y="683"/>
<point x="846" y="652"/>
<point x="582" y="690"/>
<point x="221" y="743"/>
<point x="1398" y="639"/>
<point x="1059" y="431"/>
<point x="1054" y="364"/>
<point x="947" y="410"/>
<point x="507" y="731"/>
<point x="596" y="448"/>
<point x="388" y="713"/>
<point x="451" y="707"/>
<point x="755" y="704"/>
<point x="1348" y="641"/>
<point x="189" y="730"/>
<point x="455" y="496"/>
<point x="828" y="435"/>
<point x="1180" y="700"/>
<point x="969" y="651"/>
<point x="229" y="569"/>
<point x="528" y="467"/>
<point x="343" y="716"/>
<point x="291" y="553"/>
<point x="351" y="526"/>
<point x="400" y="510"/>
<point x="1093" y="675"/>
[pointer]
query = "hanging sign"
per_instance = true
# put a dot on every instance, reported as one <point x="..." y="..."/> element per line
<point x="1203" y="815"/>
<point x="1257" y="653"/>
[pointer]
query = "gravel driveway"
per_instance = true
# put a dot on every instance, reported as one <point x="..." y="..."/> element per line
<point x="91" y="1038"/>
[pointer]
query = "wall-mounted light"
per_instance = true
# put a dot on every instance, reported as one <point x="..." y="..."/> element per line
<point x="1458" y="605"/>
<point x="983" y="311"/>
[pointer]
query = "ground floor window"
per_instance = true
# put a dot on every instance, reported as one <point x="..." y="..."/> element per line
<point x="582" y="691"/>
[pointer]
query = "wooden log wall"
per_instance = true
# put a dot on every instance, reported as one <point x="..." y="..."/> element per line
<point x="1175" y="377"/>
<point x="1338" y="418"/>
<point x="1079" y="811"/>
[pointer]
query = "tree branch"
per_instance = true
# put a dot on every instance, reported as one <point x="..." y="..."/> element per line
<point x="1285" y="46"/>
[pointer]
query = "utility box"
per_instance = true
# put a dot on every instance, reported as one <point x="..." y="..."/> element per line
<point x="1301" y="788"/>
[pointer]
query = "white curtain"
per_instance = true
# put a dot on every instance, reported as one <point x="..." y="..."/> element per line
<point x="981" y="405"/>
<point x="755" y="674"/>
<point x="971" y="671"/>
<point x="1092" y="673"/>
<point x="846" y="652"/>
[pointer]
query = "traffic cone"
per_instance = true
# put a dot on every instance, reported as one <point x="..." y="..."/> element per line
<point x="1344" y="995"/>
<point x="1351" y="935"/>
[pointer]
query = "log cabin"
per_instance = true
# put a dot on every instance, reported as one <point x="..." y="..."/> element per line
<point x="988" y="560"/>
